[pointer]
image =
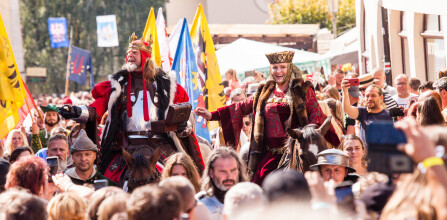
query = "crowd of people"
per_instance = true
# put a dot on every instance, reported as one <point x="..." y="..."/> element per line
<point x="287" y="146"/>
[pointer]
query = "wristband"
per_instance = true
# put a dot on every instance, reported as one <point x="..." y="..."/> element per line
<point x="432" y="161"/>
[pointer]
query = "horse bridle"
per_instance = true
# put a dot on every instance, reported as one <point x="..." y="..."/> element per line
<point x="144" y="181"/>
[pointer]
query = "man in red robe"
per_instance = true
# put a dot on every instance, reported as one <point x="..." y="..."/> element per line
<point x="284" y="101"/>
<point x="135" y="97"/>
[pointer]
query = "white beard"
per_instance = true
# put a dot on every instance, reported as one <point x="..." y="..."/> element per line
<point x="63" y="164"/>
<point x="130" y="67"/>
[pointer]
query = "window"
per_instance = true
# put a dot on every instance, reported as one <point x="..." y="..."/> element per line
<point x="434" y="46"/>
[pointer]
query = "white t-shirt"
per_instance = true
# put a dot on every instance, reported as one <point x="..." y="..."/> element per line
<point x="403" y="101"/>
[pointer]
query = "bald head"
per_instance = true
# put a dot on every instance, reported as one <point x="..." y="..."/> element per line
<point x="379" y="77"/>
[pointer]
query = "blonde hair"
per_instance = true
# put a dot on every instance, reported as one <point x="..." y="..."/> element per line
<point x="8" y="143"/>
<point x="332" y="92"/>
<point x="68" y="206"/>
<point x="412" y="199"/>
<point x="187" y="163"/>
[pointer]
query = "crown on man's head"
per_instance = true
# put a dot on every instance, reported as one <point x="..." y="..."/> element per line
<point x="140" y="44"/>
<point x="280" y="57"/>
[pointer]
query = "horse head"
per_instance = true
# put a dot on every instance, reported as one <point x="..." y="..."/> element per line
<point x="141" y="168"/>
<point x="310" y="141"/>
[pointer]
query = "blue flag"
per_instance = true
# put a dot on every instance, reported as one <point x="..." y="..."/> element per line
<point x="57" y="27"/>
<point x="186" y="68"/>
<point x="80" y="62"/>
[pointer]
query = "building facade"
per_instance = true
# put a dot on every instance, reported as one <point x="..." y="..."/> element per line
<point x="415" y="31"/>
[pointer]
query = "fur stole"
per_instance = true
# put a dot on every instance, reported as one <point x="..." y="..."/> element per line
<point x="297" y="92"/>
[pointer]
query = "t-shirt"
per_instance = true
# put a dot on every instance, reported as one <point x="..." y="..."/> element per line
<point x="402" y="102"/>
<point x="365" y="118"/>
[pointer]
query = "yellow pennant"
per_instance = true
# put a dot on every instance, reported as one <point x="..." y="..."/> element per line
<point x="150" y="32"/>
<point x="12" y="92"/>
<point x="208" y="69"/>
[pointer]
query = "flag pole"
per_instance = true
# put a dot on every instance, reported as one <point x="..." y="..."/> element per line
<point x="68" y="61"/>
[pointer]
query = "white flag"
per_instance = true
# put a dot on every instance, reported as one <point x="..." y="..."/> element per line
<point x="165" y="53"/>
<point x="107" y="31"/>
<point x="174" y="37"/>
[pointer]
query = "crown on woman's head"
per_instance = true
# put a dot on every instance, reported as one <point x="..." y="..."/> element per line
<point x="280" y="57"/>
<point x="140" y="44"/>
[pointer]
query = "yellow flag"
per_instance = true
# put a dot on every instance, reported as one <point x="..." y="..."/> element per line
<point x="12" y="92"/>
<point x="208" y="69"/>
<point x="150" y="31"/>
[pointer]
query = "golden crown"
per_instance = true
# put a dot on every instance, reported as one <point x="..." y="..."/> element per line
<point x="139" y="44"/>
<point x="280" y="57"/>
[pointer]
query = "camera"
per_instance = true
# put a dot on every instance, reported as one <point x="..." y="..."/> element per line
<point x="394" y="112"/>
<point x="384" y="157"/>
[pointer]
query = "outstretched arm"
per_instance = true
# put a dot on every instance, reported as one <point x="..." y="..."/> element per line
<point x="352" y="111"/>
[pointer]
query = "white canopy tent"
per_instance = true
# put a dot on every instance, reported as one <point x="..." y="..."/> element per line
<point x="246" y="55"/>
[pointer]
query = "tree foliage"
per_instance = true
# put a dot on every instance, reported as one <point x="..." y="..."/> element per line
<point x="312" y="12"/>
<point x="131" y="16"/>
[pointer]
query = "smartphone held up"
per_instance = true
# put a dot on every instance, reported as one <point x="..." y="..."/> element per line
<point x="53" y="164"/>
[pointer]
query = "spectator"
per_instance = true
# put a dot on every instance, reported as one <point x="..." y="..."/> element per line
<point x="286" y="186"/>
<point x="237" y="95"/>
<point x="51" y="119"/>
<point x="358" y="154"/>
<point x="333" y="165"/>
<point x="375" y="198"/>
<point x="16" y="204"/>
<point x="414" y="86"/>
<point x="426" y="86"/>
<point x="336" y="111"/>
<point x="441" y="88"/>
<point x="57" y="146"/>
<point x="403" y="91"/>
<point x="83" y="153"/>
<point x="258" y="76"/>
<point x="429" y="113"/>
<point x="354" y="96"/>
<point x="223" y="170"/>
<point x="155" y="202"/>
<point x="231" y="76"/>
<point x="442" y="73"/>
<point x="59" y="130"/>
<point x="380" y="80"/>
<point x="15" y="139"/>
<point x="30" y="173"/>
<point x="332" y="92"/>
<point x="19" y="153"/>
<point x="97" y="198"/>
<point x="68" y="206"/>
<point x="241" y="198"/>
<point x="338" y="75"/>
<point x="365" y="115"/>
<point x="180" y="164"/>
<point x="112" y="205"/>
<point x="4" y="168"/>
<point x="195" y="210"/>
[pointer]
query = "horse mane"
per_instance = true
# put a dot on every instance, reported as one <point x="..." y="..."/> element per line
<point x="310" y="133"/>
<point x="140" y="162"/>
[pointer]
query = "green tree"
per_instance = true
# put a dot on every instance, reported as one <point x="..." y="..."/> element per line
<point x="312" y="12"/>
<point x="131" y="16"/>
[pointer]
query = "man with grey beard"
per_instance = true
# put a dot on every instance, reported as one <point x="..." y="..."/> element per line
<point x="58" y="146"/>
<point x="223" y="171"/>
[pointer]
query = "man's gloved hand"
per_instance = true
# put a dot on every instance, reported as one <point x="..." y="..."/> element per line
<point x="69" y="112"/>
<point x="184" y="129"/>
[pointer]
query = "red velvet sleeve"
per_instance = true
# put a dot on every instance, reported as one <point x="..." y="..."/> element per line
<point x="230" y="118"/>
<point x="316" y="116"/>
<point x="101" y="93"/>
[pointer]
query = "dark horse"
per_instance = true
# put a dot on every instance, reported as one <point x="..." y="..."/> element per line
<point x="304" y="144"/>
<point x="141" y="169"/>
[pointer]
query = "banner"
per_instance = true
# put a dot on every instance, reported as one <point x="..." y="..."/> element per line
<point x="57" y="27"/>
<point x="175" y="35"/>
<point x="107" y="31"/>
<point x="80" y="62"/>
<point x="186" y="68"/>
<point x="165" y="53"/>
<point x="150" y="33"/>
<point x="12" y="91"/>
<point x="209" y="77"/>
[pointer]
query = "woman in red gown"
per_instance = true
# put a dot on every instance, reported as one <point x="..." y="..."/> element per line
<point x="284" y="101"/>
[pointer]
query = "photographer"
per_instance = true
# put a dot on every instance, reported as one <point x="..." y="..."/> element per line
<point x="427" y="184"/>
<point x="373" y="111"/>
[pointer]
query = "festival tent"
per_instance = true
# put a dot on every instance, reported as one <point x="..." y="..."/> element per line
<point x="345" y="48"/>
<point x="246" y="55"/>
